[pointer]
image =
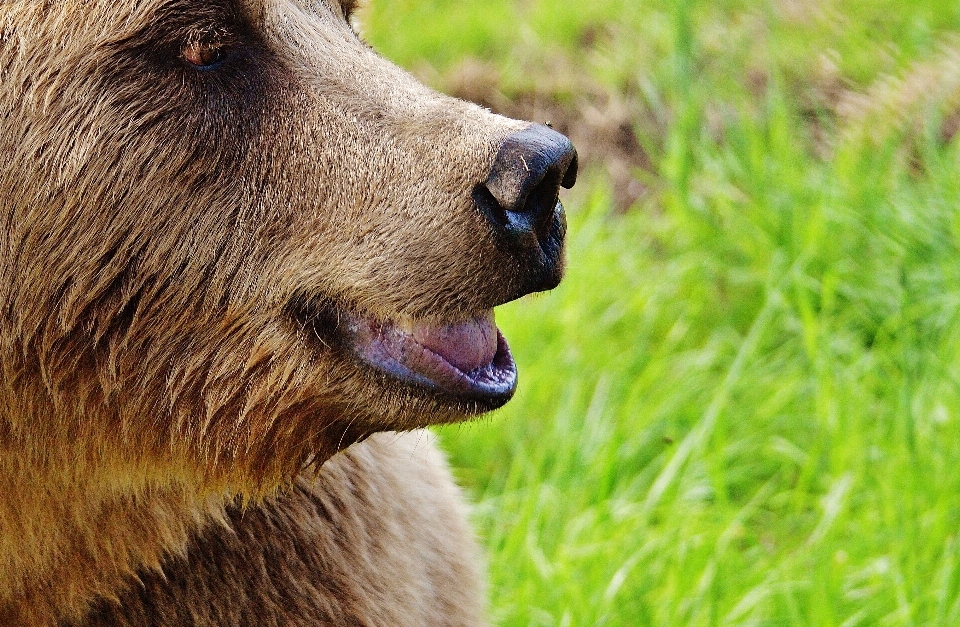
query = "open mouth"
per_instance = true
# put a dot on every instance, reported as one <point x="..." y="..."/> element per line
<point x="467" y="360"/>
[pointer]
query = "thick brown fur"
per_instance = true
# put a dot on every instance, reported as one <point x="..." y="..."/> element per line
<point x="168" y="234"/>
<point x="395" y="568"/>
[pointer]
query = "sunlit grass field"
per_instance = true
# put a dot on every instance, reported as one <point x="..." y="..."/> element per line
<point x="742" y="407"/>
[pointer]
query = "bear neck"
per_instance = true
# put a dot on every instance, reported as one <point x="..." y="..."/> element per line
<point x="88" y="527"/>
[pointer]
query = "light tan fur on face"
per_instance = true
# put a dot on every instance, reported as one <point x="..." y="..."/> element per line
<point x="164" y="229"/>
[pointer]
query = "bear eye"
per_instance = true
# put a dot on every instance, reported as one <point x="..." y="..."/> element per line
<point x="203" y="55"/>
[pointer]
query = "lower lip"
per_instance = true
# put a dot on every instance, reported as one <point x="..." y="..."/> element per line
<point x="389" y="350"/>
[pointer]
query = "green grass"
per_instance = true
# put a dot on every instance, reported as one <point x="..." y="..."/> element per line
<point x="742" y="407"/>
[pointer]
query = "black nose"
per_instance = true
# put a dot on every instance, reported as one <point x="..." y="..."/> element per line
<point x="520" y="198"/>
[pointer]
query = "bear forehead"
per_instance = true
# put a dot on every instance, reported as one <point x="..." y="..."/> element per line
<point x="256" y="11"/>
<point x="294" y="28"/>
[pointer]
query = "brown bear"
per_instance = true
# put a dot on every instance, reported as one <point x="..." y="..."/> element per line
<point x="241" y="255"/>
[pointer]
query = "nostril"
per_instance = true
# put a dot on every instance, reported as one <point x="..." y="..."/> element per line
<point x="570" y="176"/>
<point x="540" y="206"/>
<point x="490" y="207"/>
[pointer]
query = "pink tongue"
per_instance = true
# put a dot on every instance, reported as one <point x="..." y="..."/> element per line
<point x="466" y="345"/>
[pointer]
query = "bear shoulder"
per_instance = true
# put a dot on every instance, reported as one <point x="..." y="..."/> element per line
<point x="379" y="536"/>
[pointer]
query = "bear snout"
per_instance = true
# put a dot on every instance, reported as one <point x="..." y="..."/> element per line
<point x="520" y="200"/>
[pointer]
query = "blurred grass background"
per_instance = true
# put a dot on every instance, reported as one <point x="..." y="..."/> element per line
<point x="742" y="407"/>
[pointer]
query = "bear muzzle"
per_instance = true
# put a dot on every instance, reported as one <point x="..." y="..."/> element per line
<point x="469" y="360"/>
<point x="455" y="354"/>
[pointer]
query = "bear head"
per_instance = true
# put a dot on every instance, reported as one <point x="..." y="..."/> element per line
<point x="235" y="239"/>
